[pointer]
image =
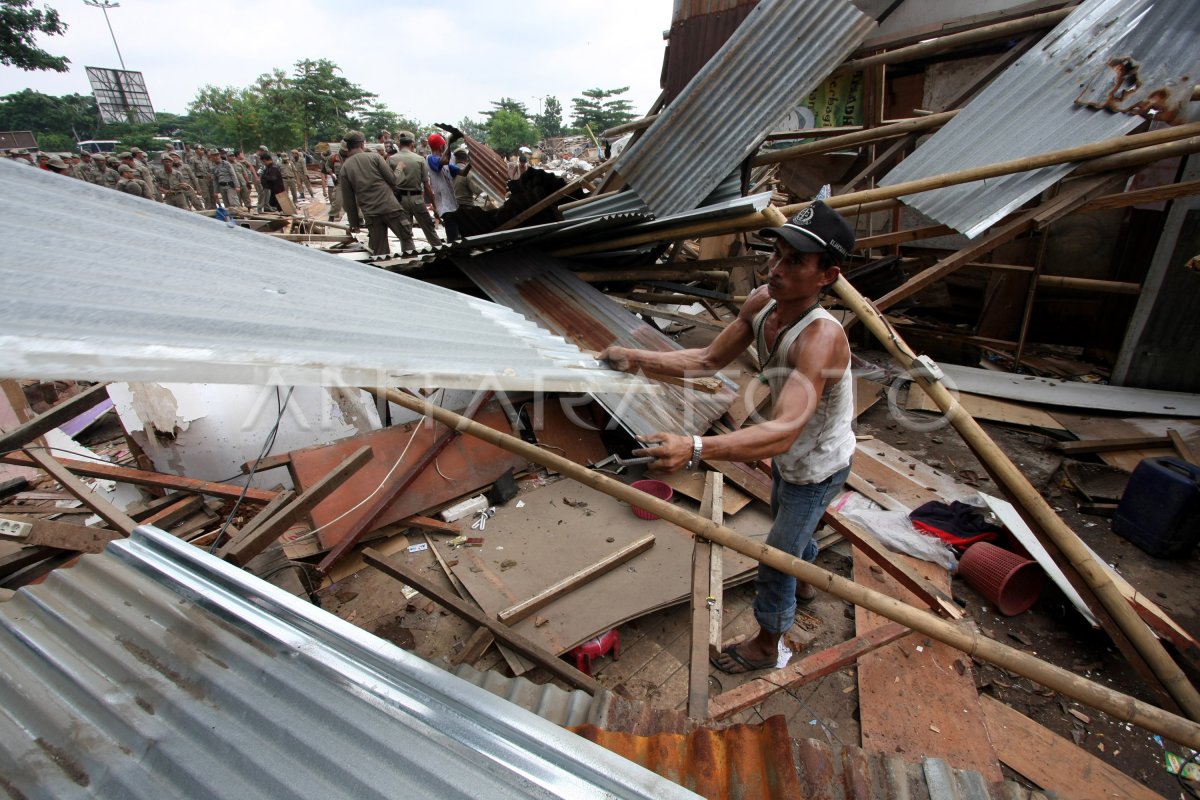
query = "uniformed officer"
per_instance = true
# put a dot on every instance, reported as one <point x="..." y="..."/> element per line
<point x="131" y="183"/>
<point x="412" y="185"/>
<point x="141" y="164"/>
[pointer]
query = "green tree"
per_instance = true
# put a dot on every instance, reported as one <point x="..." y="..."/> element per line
<point x="508" y="130"/>
<point x="550" y="121"/>
<point x="278" y="119"/>
<point x="505" y="104"/>
<point x="226" y="117"/>
<point x="474" y="128"/>
<point x="20" y="24"/>
<point x="598" y="109"/>
<point x="378" y="118"/>
<point x="72" y="115"/>
<point x="326" y="100"/>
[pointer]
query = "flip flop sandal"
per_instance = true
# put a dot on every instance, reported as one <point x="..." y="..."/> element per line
<point x="742" y="663"/>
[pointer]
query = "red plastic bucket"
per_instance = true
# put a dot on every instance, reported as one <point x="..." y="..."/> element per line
<point x="1009" y="581"/>
<point x="662" y="491"/>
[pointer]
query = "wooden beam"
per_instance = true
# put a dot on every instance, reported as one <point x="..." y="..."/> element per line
<point x="1052" y="762"/>
<point x="1183" y="448"/>
<point x="673" y="316"/>
<point x="855" y="139"/>
<point x="167" y="516"/>
<point x="1116" y="704"/>
<point x="25" y="557"/>
<point x="115" y="517"/>
<point x="141" y="477"/>
<point x="523" y="609"/>
<point x="531" y="650"/>
<point x="47" y="421"/>
<point x="802" y="671"/>
<point x="933" y="597"/>
<point x="64" y="536"/>
<point x="706" y="599"/>
<point x="245" y="547"/>
<point x="1085" y="446"/>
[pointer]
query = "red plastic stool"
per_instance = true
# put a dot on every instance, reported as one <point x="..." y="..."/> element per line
<point x="594" y="648"/>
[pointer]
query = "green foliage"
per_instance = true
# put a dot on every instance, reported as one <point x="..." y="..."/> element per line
<point x="326" y="101"/>
<point x="597" y="109"/>
<point x="508" y="130"/>
<point x="69" y="115"/>
<point x="550" y="121"/>
<point x="20" y="24"/>
<point x="377" y="119"/>
<point x="130" y="135"/>
<point x="505" y="104"/>
<point x="473" y="128"/>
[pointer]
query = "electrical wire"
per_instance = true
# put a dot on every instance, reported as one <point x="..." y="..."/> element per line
<point x="266" y="448"/>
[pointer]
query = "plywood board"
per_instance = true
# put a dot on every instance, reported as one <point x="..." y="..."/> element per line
<point x="917" y="697"/>
<point x="1052" y="762"/>
<point x="690" y="483"/>
<point x="555" y="534"/>
<point x="555" y="429"/>
<point x="1086" y="427"/>
<point x="988" y="408"/>
<point x="465" y="465"/>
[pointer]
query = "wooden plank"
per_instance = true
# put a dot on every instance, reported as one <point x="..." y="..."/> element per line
<point x="716" y="567"/>
<point x="1052" y="762"/>
<point x="754" y="482"/>
<point x="573" y="581"/>
<point x="474" y="648"/>
<point x="140" y="477"/>
<point x="467" y="463"/>
<point x="1113" y="445"/>
<point x="430" y="524"/>
<point x="1183" y="448"/>
<point x="549" y="661"/>
<point x="25" y="557"/>
<point x="691" y="483"/>
<point x="1087" y="427"/>
<point x="988" y="408"/>
<point x="805" y="670"/>
<point x="167" y="516"/>
<point x="268" y="511"/>
<point x="115" y="517"/>
<point x="269" y="462"/>
<point x="917" y="697"/>
<point x="64" y="536"/>
<point x="704" y="601"/>
<point x="57" y="415"/>
<point x="862" y="539"/>
<point x="243" y="548"/>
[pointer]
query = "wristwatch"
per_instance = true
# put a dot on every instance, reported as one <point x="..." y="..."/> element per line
<point x="697" y="448"/>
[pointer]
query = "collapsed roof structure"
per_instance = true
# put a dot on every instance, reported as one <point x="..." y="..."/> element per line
<point x="144" y="666"/>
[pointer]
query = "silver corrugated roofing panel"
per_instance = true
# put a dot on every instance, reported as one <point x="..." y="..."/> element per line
<point x="155" y="670"/>
<point x="1035" y="106"/>
<point x="542" y="288"/>
<point x="102" y="285"/>
<point x="780" y="52"/>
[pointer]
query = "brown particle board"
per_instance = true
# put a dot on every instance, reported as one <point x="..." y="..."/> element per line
<point x="1052" y="762"/>
<point x="1090" y="426"/>
<point x="988" y="408"/>
<point x="917" y="697"/>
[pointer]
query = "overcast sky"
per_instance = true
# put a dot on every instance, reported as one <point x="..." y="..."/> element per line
<point x="424" y="62"/>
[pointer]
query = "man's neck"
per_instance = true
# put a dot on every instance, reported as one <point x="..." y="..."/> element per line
<point x="791" y="310"/>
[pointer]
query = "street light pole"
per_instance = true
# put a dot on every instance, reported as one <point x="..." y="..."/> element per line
<point x="105" y="5"/>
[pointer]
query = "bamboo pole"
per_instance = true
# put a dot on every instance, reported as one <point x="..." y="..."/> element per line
<point x="632" y="125"/>
<point x="960" y="637"/>
<point x="1009" y="476"/>
<point x="954" y="41"/>
<point x="892" y="131"/>
<point x="854" y="200"/>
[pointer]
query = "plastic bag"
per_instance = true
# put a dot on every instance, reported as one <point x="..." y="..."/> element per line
<point x="897" y="533"/>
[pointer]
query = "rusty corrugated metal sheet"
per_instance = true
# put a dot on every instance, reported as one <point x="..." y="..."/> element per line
<point x="779" y="53"/>
<point x="543" y="289"/>
<point x="1043" y="103"/>
<point x="489" y="166"/>
<point x="698" y="30"/>
<point x="742" y="762"/>
<point x="12" y="140"/>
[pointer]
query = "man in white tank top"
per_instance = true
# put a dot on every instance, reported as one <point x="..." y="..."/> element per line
<point x="806" y="362"/>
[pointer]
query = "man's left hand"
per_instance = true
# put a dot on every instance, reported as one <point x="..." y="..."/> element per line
<point x="672" y="453"/>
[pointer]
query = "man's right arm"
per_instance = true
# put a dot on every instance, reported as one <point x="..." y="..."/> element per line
<point x="735" y="338"/>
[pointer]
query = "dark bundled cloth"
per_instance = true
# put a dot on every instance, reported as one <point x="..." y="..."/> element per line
<point x="957" y="524"/>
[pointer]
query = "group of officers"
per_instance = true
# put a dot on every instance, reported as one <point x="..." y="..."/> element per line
<point x="195" y="178"/>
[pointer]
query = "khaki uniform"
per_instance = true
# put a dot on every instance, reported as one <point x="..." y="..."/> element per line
<point x="466" y="187"/>
<point x="110" y="177"/>
<point x="171" y="184"/>
<point x="330" y="173"/>
<point x="226" y="182"/>
<point x="203" y="169"/>
<point x="369" y="185"/>
<point x="90" y="172"/>
<point x="249" y="179"/>
<point x="288" y="170"/>
<point x="412" y="171"/>
<point x="300" y="164"/>
<point x="134" y="186"/>
<point x="147" y="176"/>
<point x="193" y="183"/>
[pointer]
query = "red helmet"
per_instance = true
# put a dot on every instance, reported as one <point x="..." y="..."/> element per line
<point x="436" y="141"/>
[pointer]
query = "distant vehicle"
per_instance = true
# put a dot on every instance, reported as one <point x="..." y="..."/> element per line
<point x="94" y="146"/>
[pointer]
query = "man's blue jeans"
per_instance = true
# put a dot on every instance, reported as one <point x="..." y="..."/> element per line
<point x="796" y="511"/>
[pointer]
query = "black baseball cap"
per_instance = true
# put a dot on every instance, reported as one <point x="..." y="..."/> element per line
<point x="817" y="229"/>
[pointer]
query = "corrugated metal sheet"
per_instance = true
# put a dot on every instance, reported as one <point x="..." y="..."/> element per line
<point x="13" y="140"/>
<point x="102" y="285"/>
<point x="1035" y="105"/>
<point x="753" y="762"/>
<point x="155" y="670"/>
<point x="698" y="29"/>
<point x="490" y="167"/>
<point x="777" y="56"/>
<point x="542" y="288"/>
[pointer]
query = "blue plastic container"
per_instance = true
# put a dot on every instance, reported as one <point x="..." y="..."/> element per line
<point x="1160" y="507"/>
